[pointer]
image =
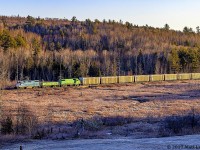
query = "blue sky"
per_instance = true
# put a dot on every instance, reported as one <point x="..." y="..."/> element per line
<point x="177" y="13"/>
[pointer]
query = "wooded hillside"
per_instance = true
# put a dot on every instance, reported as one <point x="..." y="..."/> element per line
<point x="47" y="49"/>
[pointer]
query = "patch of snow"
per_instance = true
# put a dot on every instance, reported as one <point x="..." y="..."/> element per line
<point x="178" y="142"/>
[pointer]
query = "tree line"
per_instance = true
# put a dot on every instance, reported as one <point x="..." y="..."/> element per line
<point x="49" y="49"/>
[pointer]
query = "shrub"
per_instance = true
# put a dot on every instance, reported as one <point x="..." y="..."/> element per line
<point x="94" y="124"/>
<point x="39" y="134"/>
<point x="7" y="126"/>
<point x="176" y="124"/>
<point x="26" y="121"/>
<point x="115" y="121"/>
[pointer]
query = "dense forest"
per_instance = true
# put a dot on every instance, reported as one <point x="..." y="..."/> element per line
<point x="49" y="49"/>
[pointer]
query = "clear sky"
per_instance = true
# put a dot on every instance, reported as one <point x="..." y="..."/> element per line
<point x="156" y="13"/>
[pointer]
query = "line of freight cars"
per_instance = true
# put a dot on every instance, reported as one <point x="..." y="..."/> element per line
<point x="139" y="78"/>
<point x="109" y="80"/>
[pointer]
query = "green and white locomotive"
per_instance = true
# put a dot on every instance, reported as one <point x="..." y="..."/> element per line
<point x="28" y="84"/>
<point x="36" y="83"/>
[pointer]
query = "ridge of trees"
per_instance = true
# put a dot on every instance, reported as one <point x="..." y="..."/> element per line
<point x="49" y="49"/>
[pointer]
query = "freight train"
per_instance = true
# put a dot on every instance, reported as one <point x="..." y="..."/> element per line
<point x="107" y="80"/>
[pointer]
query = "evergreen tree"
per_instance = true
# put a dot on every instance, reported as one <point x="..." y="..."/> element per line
<point x="6" y="40"/>
<point x="36" y="47"/>
<point x="94" y="71"/>
<point x="198" y="29"/>
<point x="30" y="20"/>
<point x="20" y="41"/>
<point x="194" y="60"/>
<point x="174" y="61"/>
<point x="166" y="27"/>
<point x="184" y="58"/>
<point x="76" y="70"/>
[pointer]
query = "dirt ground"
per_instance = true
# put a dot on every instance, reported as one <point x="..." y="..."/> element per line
<point x="143" y="100"/>
<point x="146" y="103"/>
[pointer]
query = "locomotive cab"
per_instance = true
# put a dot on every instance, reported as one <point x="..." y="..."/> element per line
<point x="28" y="84"/>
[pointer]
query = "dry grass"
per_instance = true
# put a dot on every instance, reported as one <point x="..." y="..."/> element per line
<point x="157" y="99"/>
<point x="6" y="84"/>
